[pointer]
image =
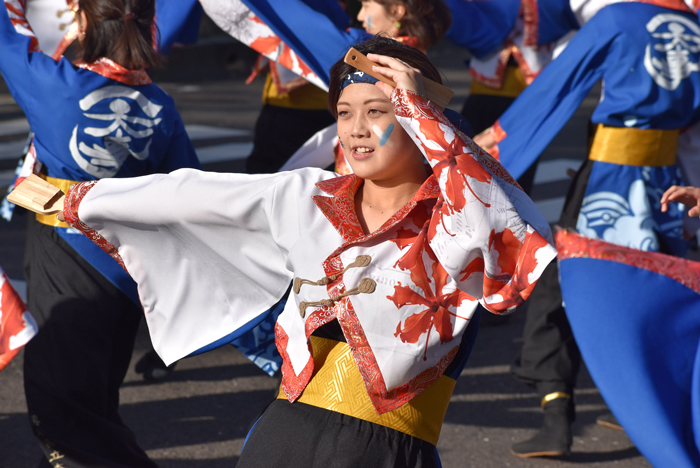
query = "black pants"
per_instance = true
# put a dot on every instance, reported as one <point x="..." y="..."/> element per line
<point x="550" y="359"/>
<point x="280" y="132"/>
<point x="75" y="365"/>
<point x="297" y="435"/>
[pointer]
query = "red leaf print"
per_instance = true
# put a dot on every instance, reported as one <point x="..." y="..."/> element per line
<point x="266" y="45"/>
<point x="436" y="313"/>
<point x="475" y="266"/>
<point x="519" y="288"/>
<point x="459" y="165"/>
<point x="508" y="247"/>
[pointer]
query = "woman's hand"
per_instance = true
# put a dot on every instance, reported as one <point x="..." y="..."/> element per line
<point x="402" y="74"/>
<point x="689" y="196"/>
<point x="485" y="139"/>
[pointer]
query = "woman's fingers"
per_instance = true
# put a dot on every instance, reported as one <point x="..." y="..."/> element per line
<point x="399" y="72"/>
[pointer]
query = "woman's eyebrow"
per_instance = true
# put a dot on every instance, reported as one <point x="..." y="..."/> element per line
<point x="343" y="103"/>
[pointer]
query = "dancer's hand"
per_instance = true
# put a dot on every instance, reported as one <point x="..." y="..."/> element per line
<point x="486" y="139"/>
<point x="402" y="74"/>
<point x="689" y="196"/>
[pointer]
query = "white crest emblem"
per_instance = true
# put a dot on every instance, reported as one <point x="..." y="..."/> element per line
<point x="120" y="138"/>
<point x="673" y="53"/>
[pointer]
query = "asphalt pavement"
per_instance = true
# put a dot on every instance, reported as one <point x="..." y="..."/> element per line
<point x="199" y="417"/>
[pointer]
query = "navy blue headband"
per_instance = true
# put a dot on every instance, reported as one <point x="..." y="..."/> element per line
<point x="357" y="77"/>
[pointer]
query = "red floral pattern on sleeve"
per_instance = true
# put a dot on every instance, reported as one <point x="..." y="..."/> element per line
<point x="74" y="198"/>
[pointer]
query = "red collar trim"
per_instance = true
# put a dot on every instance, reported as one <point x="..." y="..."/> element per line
<point x="339" y="208"/>
<point x="116" y="72"/>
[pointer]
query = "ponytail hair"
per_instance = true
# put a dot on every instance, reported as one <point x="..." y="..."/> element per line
<point x="123" y="31"/>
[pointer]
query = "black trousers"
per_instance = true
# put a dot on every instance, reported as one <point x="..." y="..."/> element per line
<point x="297" y="435"/>
<point x="550" y="359"/>
<point x="75" y="365"/>
<point x="280" y="132"/>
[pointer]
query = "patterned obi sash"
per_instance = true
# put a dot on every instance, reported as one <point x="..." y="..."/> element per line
<point x="337" y="386"/>
<point x="634" y="146"/>
<point x="64" y="185"/>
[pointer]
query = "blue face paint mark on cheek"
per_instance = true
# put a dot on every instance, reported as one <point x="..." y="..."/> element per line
<point x="385" y="136"/>
<point x="369" y="21"/>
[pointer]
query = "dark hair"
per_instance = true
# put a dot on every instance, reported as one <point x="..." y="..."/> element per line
<point x="120" y="30"/>
<point x="384" y="46"/>
<point x="426" y="20"/>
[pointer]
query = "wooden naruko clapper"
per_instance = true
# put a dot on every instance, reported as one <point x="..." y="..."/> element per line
<point x="435" y="92"/>
<point x="37" y="195"/>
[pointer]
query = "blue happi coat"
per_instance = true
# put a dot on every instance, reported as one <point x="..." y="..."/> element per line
<point x="648" y="58"/>
<point x="88" y="126"/>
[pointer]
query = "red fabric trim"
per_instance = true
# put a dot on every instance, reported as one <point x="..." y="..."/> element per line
<point x="532" y="26"/>
<point x="340" y="208"/>
<point x="116" y="72"/>
<point x="292" y="385"/>
<point x="495" y="81"/>
<point x="528" y="73"/>
<point x="572" y="245"/>
<point x="679" y="5"/>
<point x="498" y="133"/>
<point x="74" y="197"/>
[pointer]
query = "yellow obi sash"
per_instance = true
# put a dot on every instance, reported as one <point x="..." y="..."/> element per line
<point x="337" y="386"/>
<point x="634" y="146"/>
<point x="64" y="185"/>
<point x="306" y="97"/>
<point x="513" y="84"/>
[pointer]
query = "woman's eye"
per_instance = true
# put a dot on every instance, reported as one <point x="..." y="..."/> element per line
<point x="375" y="112"/>
<point x="343" y="113"/>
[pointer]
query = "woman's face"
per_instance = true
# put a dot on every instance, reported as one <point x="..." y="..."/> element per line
<point x="375" y="144"/>
<point x="376" y="18"/>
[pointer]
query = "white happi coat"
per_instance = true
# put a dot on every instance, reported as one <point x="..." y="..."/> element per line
<point x="210" y="252"/>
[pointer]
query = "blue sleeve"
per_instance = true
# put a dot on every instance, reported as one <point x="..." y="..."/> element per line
<point x="180" y="153"/>
<point x="315" y="29"/>
<point x="178" y="21"/>
<point x="31" y="77"/>
<point x="482" y="26"/>
<point x="555" y="19"/>
<point x="537" y="115"/>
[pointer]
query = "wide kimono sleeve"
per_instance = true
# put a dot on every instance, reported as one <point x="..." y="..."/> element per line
<point x="540" y="112"/>
<point x="485" y="231"/>
<point x="305" y="36"/>
<point x="208" y="251"/>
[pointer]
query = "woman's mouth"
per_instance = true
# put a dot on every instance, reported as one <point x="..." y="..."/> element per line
<point x="362" y="152"/>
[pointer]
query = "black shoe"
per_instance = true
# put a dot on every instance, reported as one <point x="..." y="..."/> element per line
<point x="609" y="420"/>
<point x="153" y="368"/>
<point x="554" y="438"/>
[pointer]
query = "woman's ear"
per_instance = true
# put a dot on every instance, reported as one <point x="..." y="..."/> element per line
<point x="398" y="11"/>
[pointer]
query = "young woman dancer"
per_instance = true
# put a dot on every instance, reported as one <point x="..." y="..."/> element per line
<point x="388" y="265"/>
<point x="296" y="113"/>
<point x="99" y="118"/>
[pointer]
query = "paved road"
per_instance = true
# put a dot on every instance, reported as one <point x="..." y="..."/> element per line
<point x="200" y="416"/>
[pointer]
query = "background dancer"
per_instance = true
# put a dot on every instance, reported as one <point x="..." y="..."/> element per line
<point x="100" y="118"/>
<point x="401" y="279"/>
<point x="616" y="194"/>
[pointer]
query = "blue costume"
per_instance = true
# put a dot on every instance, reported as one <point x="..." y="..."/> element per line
<point x="647" y="57"/>
<point x="90" y="121"/>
